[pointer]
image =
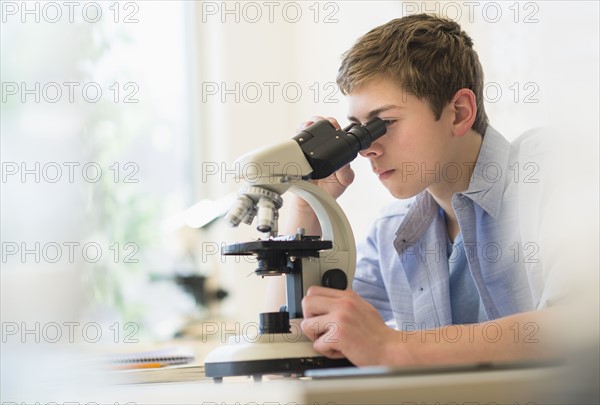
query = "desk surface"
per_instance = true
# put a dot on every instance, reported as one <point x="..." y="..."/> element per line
<point x="544" y="385"/>
<point x="541" y="385"/>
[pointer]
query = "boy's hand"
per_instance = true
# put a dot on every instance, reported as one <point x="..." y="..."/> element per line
<point x="337" y="183"/>
<point x="342" y="324"/>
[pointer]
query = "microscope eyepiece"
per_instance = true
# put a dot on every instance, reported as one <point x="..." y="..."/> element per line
<point x="366" y="134"/>
<point x="328" y="149"/>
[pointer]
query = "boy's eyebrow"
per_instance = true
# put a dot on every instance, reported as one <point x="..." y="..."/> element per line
<point x="376" y="112"/>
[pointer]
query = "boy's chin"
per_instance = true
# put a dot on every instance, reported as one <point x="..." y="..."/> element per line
<point x="405" y="190"/>
<point x="402" y="193"/>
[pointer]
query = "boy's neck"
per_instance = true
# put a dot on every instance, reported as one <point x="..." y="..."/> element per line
<point x="442" y="192"/>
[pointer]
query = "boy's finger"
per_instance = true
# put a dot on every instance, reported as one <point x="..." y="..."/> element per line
<point x="324" y="291"/>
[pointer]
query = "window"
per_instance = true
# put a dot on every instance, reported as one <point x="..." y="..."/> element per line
<point x="97" y="139"/>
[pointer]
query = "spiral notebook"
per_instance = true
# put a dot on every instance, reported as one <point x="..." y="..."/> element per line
<point x="151" y="359"/>
<point x="157" y="366"/>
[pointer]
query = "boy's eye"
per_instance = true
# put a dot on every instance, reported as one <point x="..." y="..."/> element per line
<point x="388" y="122"/>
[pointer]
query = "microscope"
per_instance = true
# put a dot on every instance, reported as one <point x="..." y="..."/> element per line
<point x="328" y="260"/>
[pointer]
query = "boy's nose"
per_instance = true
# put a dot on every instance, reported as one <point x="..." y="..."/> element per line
<point x="372" y="151"/>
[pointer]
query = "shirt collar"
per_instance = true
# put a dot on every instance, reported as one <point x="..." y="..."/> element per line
<point x="418" y="218"/>
<point x="485" y="189"/>
<point x="489" y="175"/>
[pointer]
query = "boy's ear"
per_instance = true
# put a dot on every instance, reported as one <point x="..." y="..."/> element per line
<point x="465" y="111"/>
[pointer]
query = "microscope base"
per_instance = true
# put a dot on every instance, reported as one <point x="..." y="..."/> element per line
<point x="257" y="368"/>
<point x="266" y="354"/>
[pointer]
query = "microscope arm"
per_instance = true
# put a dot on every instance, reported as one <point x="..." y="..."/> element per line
<point x="334" y="223"/>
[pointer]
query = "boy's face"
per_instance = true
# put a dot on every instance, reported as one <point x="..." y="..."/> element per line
<point x="417" y="149"/>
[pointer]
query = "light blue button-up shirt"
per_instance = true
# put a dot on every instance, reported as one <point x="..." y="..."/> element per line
<point x="402" y="266"/>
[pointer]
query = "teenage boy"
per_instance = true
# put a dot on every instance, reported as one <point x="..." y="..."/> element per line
<point x="441" y="278"/>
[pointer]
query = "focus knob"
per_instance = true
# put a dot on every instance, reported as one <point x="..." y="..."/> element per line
<point x="335" y="278"/>
<point x="274" y="322"/>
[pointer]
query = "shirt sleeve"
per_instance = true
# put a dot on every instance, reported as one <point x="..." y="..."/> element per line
<point x="368" y="281"/>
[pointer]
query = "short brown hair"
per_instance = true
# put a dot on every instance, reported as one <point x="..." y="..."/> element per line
<point x="428" y="56"/>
